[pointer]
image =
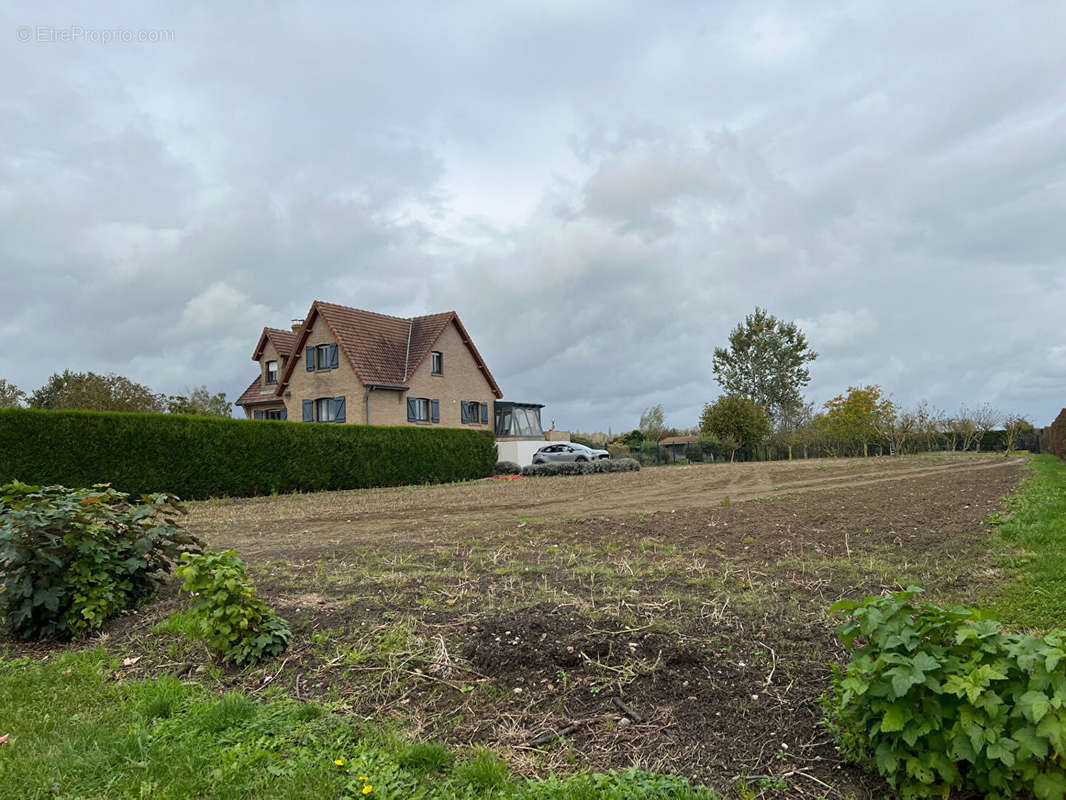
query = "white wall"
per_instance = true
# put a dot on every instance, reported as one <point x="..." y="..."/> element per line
<point x="520" y="451"/>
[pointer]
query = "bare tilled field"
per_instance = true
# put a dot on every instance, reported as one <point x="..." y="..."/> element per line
<point x="673" y="618"/>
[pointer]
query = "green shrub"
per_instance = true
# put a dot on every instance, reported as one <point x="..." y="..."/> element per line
<point x="507" y="468"/>
<point x="197" y="457"/>
<point x="937" y="699"/>
<point x="582" y="467"/>
<point x="236" y="624"/>
<point x="72" y="558"/>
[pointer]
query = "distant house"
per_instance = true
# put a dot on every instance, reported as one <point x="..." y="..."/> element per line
<point x="346" y="365"/>
<point x="677" y="444"/>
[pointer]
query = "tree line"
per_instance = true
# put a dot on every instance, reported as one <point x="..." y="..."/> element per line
<point x="88" y="391"/>
<point x="763" y="371"/>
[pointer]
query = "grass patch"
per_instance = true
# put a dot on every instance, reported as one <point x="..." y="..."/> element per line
<point x="183" y="622"/>
<point x="75" y="732"/>
<point x="1033" y="533"/>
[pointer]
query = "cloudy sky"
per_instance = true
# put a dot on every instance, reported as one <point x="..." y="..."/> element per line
<point x="601" y="190"/>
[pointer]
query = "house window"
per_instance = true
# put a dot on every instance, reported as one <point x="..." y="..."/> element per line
<point x="323" y="356"/>
<point x="436" y="362"/>
<point x="422" y="409"/>
<point x="272" y="372"/>
<point x="275" y="413"/>
<point x="324" y="410"/>
<point x="475" y="413"/>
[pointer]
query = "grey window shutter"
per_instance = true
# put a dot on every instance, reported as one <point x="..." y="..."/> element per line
<point x="484" y="413"/>
<point x="284" y="413"/>
<point x="465" y="411"/>
<point x="436" y="409"/>
<point x="333" y="362"/>
<point x="257" y="414"/>
<point x="309" y="410"/>
<point x="338" y="409"/>
<point x="309" y="357"/>
<point x="412" y="409"/>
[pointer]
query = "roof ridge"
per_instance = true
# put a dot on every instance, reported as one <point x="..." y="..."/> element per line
<point x="362" y="310"/>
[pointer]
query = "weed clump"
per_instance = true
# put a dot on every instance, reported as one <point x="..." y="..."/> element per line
<point x="237" y="625"/>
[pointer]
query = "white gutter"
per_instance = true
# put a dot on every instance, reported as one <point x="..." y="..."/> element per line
<point x="407" y="358"/>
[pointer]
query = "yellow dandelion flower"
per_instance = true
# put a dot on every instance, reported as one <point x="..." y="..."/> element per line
<point x="368" y="789"/>
<point x="339" y="762"/>
<point x="363" y="778"/>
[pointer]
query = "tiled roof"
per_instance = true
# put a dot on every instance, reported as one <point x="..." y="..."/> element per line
<point x="381" y="348"/>
<point x="281" y="339"/>
<point x="679" y="440"/>
<point x="255" y="394"/>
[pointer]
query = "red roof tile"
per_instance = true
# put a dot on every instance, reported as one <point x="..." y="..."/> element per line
<point x="281" y="339"/>
<point x="255" y="394"/>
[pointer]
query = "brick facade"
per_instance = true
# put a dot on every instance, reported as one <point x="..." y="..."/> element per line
<point x="463" y="378"/>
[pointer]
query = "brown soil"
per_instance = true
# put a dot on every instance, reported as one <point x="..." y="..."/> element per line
<point x="657" y="626"/>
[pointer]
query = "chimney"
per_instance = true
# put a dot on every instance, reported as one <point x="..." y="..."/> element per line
<point x="296" y="325"/>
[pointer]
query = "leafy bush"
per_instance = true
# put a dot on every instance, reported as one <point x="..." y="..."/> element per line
<point x="237" y="625"/>
<point x="507" y="468"/>
<point x="582" y="467"/>
<point x="198" y="457"/>
<point x="937" y="699"/>
<point x="72" y="558"/>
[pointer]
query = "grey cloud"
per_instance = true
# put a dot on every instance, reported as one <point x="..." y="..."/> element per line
<point x="601" y="194"/>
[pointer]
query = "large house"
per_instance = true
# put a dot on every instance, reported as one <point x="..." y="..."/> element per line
<point x="345" y="365"/>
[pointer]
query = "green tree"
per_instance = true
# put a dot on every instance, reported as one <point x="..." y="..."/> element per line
<point x="766" y="361"/>
<point x="11" y="396"/>
<point x="632" y="439"/>
<point x="857" y="416"/>
<point x="200" y="401"/>
<point x="88" y="391"/>
<point x="735" y="421"/>
<point x="652" y="423"/>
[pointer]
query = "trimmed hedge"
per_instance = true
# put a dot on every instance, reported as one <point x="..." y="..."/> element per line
<point x="581" y="467"/>
<point x="1056" y="436"/>
<point x="196" y="457"/>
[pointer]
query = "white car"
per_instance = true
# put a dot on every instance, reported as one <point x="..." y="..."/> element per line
<point x="567" y="451"/>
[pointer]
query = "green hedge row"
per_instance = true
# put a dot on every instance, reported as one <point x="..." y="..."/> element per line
<point x="197" y="457"/>
<point x="1056" y="436"/>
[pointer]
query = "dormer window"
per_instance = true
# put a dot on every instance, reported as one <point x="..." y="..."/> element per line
<point x="272" y="372"/>
<point x="436" y="362"/>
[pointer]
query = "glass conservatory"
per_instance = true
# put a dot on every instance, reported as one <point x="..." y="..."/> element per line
<point x="518" y="420"/>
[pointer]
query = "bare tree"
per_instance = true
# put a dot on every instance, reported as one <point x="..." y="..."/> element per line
<point x="985" y="419"/>
<point x="1015" y="425"/>
<point x="898" y="427"/>
<point x="929" y="424"/>
<point x="963" y="429"/>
